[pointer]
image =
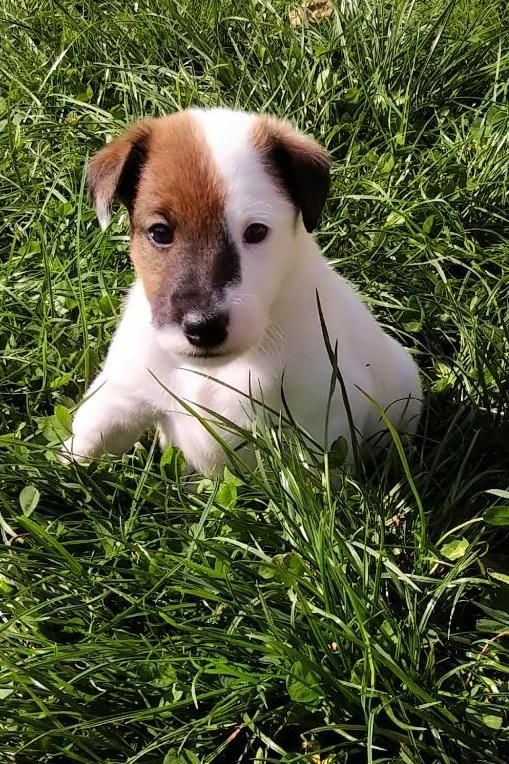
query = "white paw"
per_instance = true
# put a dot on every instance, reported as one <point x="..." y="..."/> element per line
<point x="77" y="449"/>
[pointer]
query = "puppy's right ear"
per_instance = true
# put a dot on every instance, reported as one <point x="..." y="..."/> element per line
<point x="114" y="172"/>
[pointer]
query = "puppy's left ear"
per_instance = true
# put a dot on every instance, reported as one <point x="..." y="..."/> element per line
<point x="114" y="172"/>
<point x="298" y="163"/>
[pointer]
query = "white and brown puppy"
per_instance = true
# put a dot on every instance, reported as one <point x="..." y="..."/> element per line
<point x="222" y="205"/>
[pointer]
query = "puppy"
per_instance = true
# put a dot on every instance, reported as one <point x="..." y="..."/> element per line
<point x="225" y="308"/>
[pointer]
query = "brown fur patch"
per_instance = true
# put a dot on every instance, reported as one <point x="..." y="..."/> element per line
<point x="179" y="182"/>
<point x="163" y="170"/>
<point x="297" y="163"/>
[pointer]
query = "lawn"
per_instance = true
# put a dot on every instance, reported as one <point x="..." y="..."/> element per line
<point x="297" y="613"/>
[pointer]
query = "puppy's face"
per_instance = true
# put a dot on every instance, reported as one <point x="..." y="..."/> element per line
<point x="217" y="201"/>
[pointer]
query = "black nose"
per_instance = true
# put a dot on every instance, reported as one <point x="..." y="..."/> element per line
<point x="206" y="331"/>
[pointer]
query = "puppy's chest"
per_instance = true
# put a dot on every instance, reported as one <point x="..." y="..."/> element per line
<point x="224" y="390"/>
<point x="228" y="393"/>
<point x="201" y="390"/>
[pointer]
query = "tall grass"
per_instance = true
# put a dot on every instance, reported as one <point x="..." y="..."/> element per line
<point x="295" y="614"/>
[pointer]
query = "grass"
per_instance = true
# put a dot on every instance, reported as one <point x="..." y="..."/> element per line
<point x="297" y="614"/>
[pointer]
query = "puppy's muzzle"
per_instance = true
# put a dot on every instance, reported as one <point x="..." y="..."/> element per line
<point x="205" y="331"/>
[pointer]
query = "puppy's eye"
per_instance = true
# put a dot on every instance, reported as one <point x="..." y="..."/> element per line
<point x="255" y="233"/>
<point x="161" y="234"/>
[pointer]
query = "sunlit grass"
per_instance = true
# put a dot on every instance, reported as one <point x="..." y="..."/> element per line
<point x="297" y="613"/>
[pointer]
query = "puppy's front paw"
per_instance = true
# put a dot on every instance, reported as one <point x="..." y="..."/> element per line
<point x="77" y="449"/>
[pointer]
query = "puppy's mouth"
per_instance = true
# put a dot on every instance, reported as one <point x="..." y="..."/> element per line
<point x="207" y="355"/>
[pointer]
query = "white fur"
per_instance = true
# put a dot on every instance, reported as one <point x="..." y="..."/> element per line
<point x="274" y="331"/>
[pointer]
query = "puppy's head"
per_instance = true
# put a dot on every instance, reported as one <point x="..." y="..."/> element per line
<point x="218" y="202"/>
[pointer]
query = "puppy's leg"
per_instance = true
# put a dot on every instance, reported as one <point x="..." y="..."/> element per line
<point x="109" y="420"/>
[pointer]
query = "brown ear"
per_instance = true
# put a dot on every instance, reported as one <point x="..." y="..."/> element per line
<point x="299" y="163"/>
<point x="114" y="172"/>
